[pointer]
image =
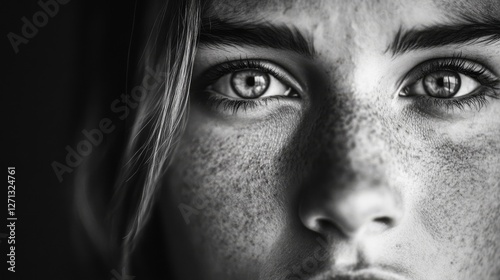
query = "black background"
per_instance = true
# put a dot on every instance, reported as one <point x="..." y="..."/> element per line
<point x="75" y="64"/>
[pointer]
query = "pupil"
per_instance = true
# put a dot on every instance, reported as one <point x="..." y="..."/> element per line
<point x="440" y="82"/>
<point x="250" y="81"/>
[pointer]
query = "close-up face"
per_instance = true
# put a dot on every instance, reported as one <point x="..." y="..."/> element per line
<point x="340" y="140"/>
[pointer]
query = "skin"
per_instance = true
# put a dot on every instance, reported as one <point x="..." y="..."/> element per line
<point x="350" y="178"/>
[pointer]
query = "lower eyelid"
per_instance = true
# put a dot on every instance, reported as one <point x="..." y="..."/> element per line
<point x="444" y="107"/>
<point x="264" y="106"/>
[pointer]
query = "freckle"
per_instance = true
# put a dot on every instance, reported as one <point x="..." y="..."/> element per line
<point x="352" y="145"/>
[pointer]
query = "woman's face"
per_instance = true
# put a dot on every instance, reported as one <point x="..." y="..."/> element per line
<point x="341" y="140"/>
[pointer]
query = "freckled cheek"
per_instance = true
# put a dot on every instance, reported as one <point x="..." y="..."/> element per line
<point x="460" y="201"/>
<point x="235" y="178"/>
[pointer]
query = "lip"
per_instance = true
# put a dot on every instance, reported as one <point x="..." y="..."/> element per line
<point x="363" y="274"/>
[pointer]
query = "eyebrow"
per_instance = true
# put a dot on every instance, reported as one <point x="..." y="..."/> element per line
<point x="471" y="31"/>
<point x="216" y="32"/>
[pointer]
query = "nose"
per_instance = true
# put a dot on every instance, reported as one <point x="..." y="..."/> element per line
<point x="353" y="209"/>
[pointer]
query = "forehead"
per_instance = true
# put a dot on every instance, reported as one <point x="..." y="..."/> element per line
<point x="345" y="30"/>
<point x="318" y="6"/>
<point x="408" y="12"/>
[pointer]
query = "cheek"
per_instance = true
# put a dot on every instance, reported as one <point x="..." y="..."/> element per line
<point x="236" y="176"/>
<point x="460" y="207"/>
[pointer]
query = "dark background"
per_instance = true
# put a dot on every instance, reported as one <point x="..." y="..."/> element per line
<point x="75" y="64"/>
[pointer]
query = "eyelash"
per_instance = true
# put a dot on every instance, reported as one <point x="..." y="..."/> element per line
<point x="233" y="105"/>
<point x="457" y="63"/>
<point x="237" y="65"/>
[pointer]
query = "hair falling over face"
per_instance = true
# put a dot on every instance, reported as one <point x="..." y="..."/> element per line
<point x="153" y="134"/>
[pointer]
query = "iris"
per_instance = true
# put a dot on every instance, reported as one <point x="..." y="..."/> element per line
<point x="250" y="83"/>
<point x="442" y="84"/>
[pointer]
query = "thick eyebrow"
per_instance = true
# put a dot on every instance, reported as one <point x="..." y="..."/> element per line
<point x="470" y="31"/>
<point x="216" y="32"/>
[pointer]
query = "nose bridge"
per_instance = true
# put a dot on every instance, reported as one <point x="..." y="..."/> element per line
<point x="350" y="191"/>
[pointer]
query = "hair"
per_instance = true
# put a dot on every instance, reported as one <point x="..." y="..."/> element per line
<point x="157" y="125"/>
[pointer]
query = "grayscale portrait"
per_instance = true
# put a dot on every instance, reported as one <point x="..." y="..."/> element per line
<point x="315" y="140"/>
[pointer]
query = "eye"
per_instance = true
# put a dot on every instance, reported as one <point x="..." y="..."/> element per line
<point x="254" y="87"/>
<point x="439" y="86"/>
<point x="443" y="84"/>
<point x="250" y="84"/>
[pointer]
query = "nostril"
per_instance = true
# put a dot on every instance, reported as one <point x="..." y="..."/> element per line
<point x="327" y="226"/>
<point x="379" y="224"/>
<point x="384" y="220"/>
